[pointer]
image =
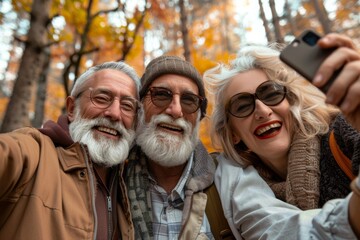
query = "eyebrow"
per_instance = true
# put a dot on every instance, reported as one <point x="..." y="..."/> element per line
<point x="181" y="92"/>
<point x="114" y="94"/>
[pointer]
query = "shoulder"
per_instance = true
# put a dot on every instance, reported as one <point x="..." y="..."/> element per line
<point x="231" y="175"/>
<point x="203" y="162"/>
<point x="347" y="138"/>
<point x="224" y="163"/>
<point x="24" y="134"/>
<point x="27" y="130"/>
<point x="342" y="128"/>
<point x="228" y="173"/>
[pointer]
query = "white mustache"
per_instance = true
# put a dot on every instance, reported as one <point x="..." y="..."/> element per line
<point x="162" y="147"/>
<point x="103" y="151"/>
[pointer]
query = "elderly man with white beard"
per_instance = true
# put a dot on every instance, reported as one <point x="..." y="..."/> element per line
<point x="64" y="181"/>
<point x="169" y="167"/>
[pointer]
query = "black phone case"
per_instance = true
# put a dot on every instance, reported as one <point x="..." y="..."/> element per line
<point x="306" y="58"/>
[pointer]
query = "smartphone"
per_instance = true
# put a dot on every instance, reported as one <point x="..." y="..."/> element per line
<point x="305" y="56"/>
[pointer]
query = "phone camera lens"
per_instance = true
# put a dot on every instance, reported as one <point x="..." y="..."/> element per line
<point x="310" y="38"/>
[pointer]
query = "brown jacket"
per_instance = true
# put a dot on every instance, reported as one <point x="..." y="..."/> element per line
<point x="48" y="192"/>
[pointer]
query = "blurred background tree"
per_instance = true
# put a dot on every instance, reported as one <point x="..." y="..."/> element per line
<point x="47" y="44"/>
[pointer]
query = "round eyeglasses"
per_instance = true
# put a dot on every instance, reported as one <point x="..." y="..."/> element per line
<point x="103" y="98"/>
<point x="243" y="104"/>
<point x="162" y="97"/>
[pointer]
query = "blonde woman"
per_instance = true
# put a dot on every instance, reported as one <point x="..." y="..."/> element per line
<point x="269" y="118"/>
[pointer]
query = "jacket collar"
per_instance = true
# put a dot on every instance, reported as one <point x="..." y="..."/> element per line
<point x="58" y="131"/>
<point x="202" y="173"/>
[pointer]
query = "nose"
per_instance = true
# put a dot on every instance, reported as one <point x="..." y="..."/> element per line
<point x="113" y="112"/>
<point x="262" y="110"/>
<point x="174" y="109"/>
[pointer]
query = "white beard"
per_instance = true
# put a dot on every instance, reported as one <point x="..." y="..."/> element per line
<point x="164" y="148"/>
<point x="103" y="151"/>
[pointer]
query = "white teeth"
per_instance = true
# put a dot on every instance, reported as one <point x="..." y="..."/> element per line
<point x="108" y="130"/>
<point x="267" y="128"/>
<point x="176" y="128"/>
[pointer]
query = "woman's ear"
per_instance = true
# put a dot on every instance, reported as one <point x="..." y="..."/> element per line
<point x="235" y="139"/>
<point x="70" y="108"/>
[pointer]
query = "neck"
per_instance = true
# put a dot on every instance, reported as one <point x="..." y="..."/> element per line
<point x="281" y="171"/>
<point x="278" y="165"/>
<point x="166" y="177"/>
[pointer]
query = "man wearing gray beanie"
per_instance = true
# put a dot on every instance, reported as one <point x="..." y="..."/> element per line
<point x="173" y="65"/>
<point x="169" y="167"/>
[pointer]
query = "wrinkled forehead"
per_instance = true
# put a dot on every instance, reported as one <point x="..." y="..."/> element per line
<point x="177" y="83"/>
<point x="245" y="82"/>
<point x="116" y="81"/>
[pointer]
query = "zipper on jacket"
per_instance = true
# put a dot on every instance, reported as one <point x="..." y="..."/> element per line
<point x="106" y="192"/>
<point x="109" y="203"/>
<point x="109" y="207"/>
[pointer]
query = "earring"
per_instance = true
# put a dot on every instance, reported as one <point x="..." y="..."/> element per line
<point x="236" y="139"/>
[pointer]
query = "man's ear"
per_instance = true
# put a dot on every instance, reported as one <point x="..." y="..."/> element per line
<point x="70" y="108"/>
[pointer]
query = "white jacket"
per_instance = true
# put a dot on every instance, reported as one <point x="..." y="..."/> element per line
<point x="253" y="211"/>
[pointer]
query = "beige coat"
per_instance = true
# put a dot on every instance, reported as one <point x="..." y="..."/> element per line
<point x="47" y="192"/>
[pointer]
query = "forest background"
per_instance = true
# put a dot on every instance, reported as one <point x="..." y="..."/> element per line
<point x="45" y="45"/>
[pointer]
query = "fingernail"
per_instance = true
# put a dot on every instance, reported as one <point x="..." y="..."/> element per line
<point x="325" y="39"/>
<point x="317" y="78"/>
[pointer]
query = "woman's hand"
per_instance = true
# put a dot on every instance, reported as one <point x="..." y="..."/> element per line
<point x="345" y="90"/>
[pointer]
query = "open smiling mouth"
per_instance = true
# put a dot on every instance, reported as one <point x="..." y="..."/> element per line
<point x="106" y="130"/>
<point x="169" y="127"/>
<point x="268" y="130"/>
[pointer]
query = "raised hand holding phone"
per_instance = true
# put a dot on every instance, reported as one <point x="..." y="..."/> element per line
<point x="305" y="56"/>
<point x="334" y="62"/>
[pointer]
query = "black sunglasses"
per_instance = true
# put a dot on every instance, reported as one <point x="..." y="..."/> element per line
<point x="243" y="104"/>
<point x="162" y="97"/>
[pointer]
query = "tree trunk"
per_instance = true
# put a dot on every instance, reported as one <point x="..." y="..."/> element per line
<point x="74" y="64"/>
<point x="265" y="23"/>
<point x="275" y="17"/>
<point x="74" y="61"/>
<point x="17" y="111"/>
<point x="184" y="30"/>
<point x="225" y="25"/>
<point x="322" y="16"/>
<point x="289" y="18"/>
<point x="41" y="92"/>
<point x="128" y="46"/>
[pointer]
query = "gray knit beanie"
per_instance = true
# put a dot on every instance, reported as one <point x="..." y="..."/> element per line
<point x="172" y="65"/>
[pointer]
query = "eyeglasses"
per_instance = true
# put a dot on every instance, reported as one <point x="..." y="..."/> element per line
<point x="103" y="98"/>
<point x="243" y="104"/>
<point x="162" y="97"/>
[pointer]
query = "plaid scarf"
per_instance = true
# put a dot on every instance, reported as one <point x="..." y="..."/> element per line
<point x="201" y="176"/>
<point x="139" y="197"/>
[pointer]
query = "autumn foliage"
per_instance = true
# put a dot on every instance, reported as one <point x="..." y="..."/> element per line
<point x="81" y="34"/>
